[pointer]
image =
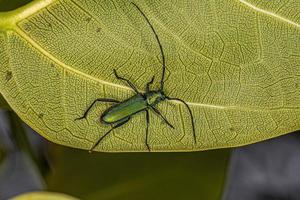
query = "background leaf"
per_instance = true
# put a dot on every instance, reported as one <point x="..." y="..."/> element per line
<point x="235" y="62"/>
<point x="44" y="196"/>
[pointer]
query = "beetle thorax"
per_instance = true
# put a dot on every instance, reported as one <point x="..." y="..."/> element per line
<point x="154" y="97"/>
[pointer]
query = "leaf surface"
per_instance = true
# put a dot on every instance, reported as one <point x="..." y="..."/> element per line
<point x="43" y="196"/>
<point x="235" y="63"/>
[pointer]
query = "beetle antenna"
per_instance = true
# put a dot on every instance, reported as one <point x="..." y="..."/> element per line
<point x="160" y="47"/>
<point x="191" y="114"/>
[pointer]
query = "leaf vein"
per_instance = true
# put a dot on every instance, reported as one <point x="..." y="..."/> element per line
<point x="270" y="13"/>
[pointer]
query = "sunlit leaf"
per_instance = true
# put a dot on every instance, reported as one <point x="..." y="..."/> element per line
<point x="236" y="63"/>
<point x="43" y="196"/>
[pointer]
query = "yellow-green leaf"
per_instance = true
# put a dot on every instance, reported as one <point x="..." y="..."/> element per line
<point x="236" y="63"/>
<point x="43" y="196"/>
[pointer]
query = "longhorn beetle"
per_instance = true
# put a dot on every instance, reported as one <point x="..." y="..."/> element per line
<point x="122" y="111"/>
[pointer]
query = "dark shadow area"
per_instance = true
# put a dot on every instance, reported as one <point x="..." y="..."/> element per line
<point x="8" y="5"/>
<point x="268" y="170"/>
<point x="23" y="162"/>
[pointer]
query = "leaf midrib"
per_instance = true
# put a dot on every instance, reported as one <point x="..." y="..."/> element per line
<point x="259" y="10"/>
<point x="63" y="65"/>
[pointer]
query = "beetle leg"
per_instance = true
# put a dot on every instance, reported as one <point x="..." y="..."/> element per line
<point x="147" y="128"/>
<point x="103" y="136"/>
<point x="158" y="112"/>
<point x="191" y="114"/>
<point x="101" y="100"/>
<point x="128" y="82"/>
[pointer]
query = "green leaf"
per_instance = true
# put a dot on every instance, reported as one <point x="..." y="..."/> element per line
<point x="43" y="196"/>
<point x="236" y="63"/>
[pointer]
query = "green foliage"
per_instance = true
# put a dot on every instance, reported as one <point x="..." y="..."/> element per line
<point x="235" y="62"/>
<point x="134" y="176"/>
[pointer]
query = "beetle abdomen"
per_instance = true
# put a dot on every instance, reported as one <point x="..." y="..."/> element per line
<point x="124" y="109"/>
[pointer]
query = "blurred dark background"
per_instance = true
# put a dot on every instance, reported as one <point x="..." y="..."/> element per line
<point x="6" y="5"/>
